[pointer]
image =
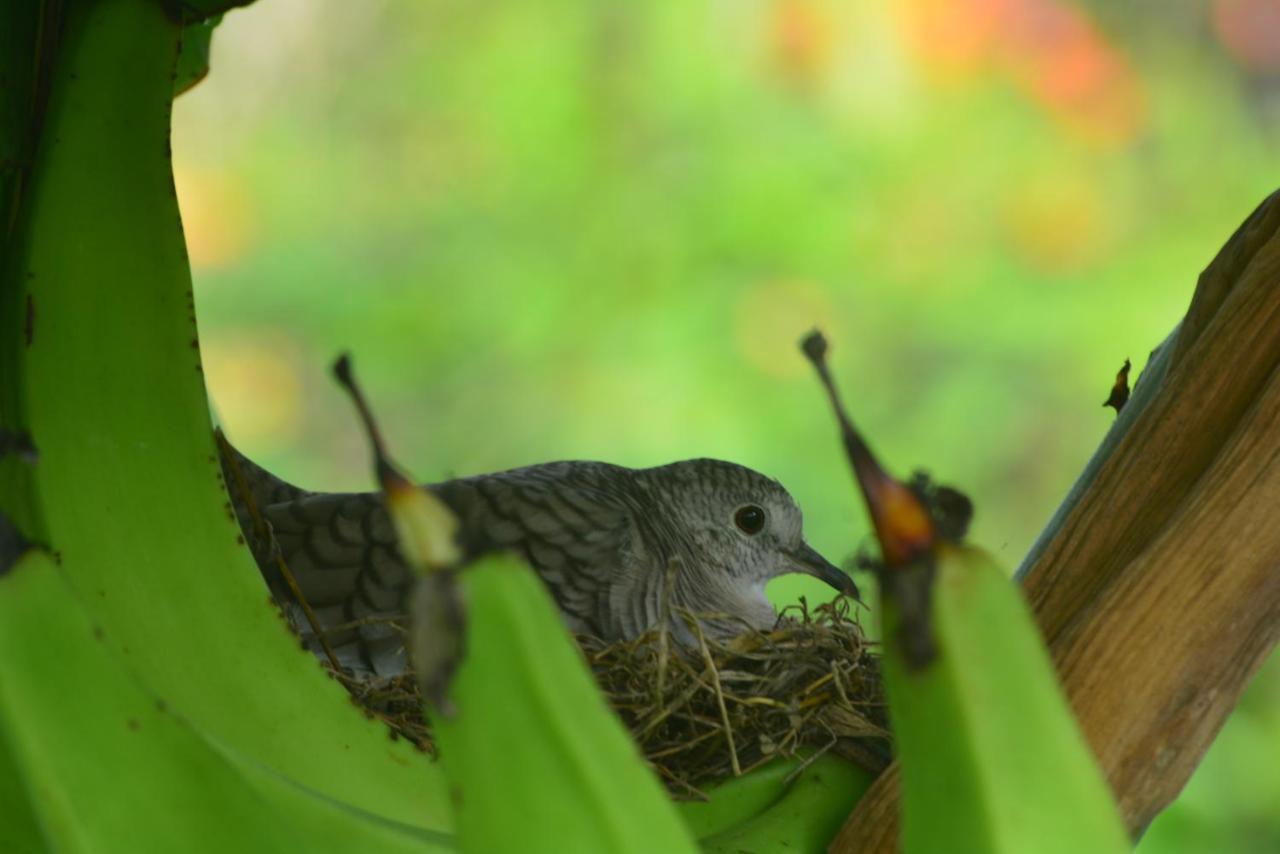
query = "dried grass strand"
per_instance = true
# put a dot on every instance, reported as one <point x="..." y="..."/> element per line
<point x="809" y="686"/>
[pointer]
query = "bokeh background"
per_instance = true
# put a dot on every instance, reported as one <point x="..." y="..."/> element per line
<point x="589" y="229"/>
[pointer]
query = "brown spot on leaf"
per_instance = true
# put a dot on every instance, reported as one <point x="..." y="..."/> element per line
<point x="29" y="325"/>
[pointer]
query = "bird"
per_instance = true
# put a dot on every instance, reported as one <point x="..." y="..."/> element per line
<point x="619" y="549"/>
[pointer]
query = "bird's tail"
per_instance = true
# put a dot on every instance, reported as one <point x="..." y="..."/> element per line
<point x="252" y="488"/>
<point x="330" y="562"/>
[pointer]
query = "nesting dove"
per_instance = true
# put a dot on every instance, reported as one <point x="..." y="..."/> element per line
<point x="601" y="537"/>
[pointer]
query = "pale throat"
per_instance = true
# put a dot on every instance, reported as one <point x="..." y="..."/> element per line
<point x="725" y="593"/>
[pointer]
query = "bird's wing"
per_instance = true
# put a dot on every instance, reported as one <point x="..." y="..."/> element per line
<point x="341" y="550"/>
<point x="561" y="517"/>
<point x="251" y="487"/>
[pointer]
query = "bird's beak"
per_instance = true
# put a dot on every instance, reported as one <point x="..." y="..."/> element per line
<point x="808" y="561"/>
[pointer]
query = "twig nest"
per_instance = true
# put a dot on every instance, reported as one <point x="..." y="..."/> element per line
<point x="723" y="708"/>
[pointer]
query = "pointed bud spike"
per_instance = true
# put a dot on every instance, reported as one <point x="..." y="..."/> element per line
<point x="902" y="523"/>
<point x="346" y="377"/>
<point x="342" y="370"/>
<point x="427" y="530"/>
<point x="814" y="346"/>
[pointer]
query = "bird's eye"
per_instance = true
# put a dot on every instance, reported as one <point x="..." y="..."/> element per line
<point x="749" y="519"/>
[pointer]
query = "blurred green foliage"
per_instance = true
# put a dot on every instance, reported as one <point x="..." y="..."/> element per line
<point x="597" y="230"/>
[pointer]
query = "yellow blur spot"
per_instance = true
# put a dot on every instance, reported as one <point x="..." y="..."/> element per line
<point x="426" y="528"/>
<point x="1050" y="49"/>
<point x="253" y="379"/>
<point x="1056" y="223"/>
<point x="215" y="216"/>
<point x="770" y="319"/>
<point x="951" y="40"/>
<point x="800" y="36"/>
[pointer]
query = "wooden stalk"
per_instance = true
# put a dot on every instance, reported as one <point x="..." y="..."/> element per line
<point x="1157" y="583"/>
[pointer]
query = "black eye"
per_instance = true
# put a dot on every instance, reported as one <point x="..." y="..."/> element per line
<point x="749" y="519"/>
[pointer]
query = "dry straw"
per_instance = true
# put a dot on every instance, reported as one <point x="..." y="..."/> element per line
<point x="698" y="715"/>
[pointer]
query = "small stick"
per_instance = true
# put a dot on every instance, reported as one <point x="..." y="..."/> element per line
<point x="395" y="621"/>
<point x="724" y="711"/>
<point x="683" y="746"/>
<point x="811" y="758"/>
<point x="814" y="346"/>
<point x="382" y="463"/>
<point x="670" y="708"/>
<point x="838" y="680"/>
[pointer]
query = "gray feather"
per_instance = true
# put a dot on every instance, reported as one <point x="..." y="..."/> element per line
<point x="599" y="536"/>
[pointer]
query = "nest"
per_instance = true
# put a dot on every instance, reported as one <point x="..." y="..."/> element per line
<point x="809" y="686"/>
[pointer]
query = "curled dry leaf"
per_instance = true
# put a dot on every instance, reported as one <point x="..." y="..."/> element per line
<point x="1120" y="390"/>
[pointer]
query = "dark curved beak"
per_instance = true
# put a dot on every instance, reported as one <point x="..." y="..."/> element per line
<point x="808" y="561"/>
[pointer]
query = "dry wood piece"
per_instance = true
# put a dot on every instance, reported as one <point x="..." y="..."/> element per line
<point x="1157" y="583"/>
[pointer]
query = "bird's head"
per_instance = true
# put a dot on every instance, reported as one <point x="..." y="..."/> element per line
<point x="739" y="524"/>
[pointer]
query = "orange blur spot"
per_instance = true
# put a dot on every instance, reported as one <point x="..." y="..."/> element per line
<point x="216" y="216"/>
<point x="253" y="376"/>
<point x="800" y="37"/>
<point x="902" y="523"/>
<point x="952" y="39"/>
<point x="1250" y="31"/>
<point x="769" y="316"/>
<point x="1050" y="49"/>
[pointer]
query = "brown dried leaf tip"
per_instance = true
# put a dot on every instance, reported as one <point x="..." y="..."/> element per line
<point x="427" y="530"/>
<point x="436" y="640"/>
<point x="903" y="524"/>
<point x="389" y="477"/>
<point x="910" y="519"/>
<point x="427" y="534"/>
<point x="1120" y="391"/>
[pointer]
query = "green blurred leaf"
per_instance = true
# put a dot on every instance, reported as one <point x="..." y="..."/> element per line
<point x="732" y="801"/>
<point x="109" y="766"/>
<point x="536" y="760"/>
<point x="128" y="488"/>
<point x="193" y="53"/>
<point x="991" y="758"/>
<point x="805" y="818"/>
<point x="19" y="827"/>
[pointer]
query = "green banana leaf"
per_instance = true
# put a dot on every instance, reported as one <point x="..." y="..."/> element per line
<point x="110" y="766"/>
<point x="533" y="741"/>
<point x="992" y="759"/>
<point x="127" y="489"/>
<point x="804" y="818"/>
<point x="19" y="827"/>
<point x="193" y="53"/>
<point x="150" y="696"/>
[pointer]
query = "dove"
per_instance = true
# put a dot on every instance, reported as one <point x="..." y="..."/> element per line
<point x="617" y="548"/>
